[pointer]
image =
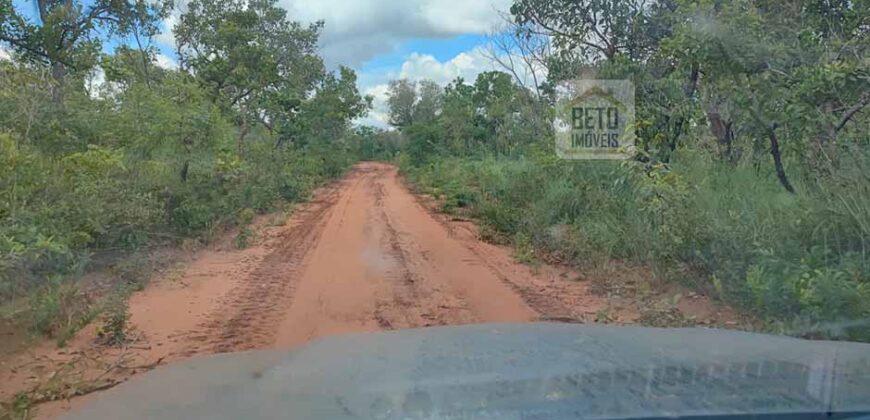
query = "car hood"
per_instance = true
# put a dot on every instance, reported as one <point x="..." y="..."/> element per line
<point x="507" y="371"/>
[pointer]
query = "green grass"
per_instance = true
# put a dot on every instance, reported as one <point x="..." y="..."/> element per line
<point x="729" y="231"/>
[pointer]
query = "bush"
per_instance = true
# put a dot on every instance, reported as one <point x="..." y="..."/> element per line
<point x="740" y="236"/>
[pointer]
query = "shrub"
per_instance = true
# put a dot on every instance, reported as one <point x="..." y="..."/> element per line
<point x="787" y="258"/>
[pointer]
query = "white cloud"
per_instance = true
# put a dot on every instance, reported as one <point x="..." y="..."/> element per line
<point x="417" y="67"/>
<point x="4" y="53"/>
<point x="167" y="36"/>
<point x="466" y="65"/>
<point x="359" y="30"/>
<point x="166" y="62"/>
<point x="95" y="82"/>
<point x="378" y="116"/>
<point x="463" y="16"/>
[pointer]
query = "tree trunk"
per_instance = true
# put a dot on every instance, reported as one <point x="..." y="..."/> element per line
<point x="723" y="132"/>
<point x="243" y="131"/>
<point x="777" y="159"/>
<point x="185" y="168"/>
<point x="55" y="52"/>
<point x="187" y="142"/>
<point x="58" y="73"/>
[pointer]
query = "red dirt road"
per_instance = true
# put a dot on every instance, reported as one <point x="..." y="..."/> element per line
<point x="364" y="255"/>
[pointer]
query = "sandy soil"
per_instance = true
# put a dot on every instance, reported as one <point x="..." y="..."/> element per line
<point x="364" y="255"/>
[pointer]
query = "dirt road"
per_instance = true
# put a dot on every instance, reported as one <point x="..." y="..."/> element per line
<point x="364" y="255"/>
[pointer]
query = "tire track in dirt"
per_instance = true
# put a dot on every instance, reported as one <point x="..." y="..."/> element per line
<point x="246" y="318"/>
<point x="383" y="263"/>
<point x="362" y="256"/>
<point x="551" y="291"/>
<point x="421" y="303"/>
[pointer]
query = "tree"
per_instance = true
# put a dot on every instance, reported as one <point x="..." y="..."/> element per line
<point x="520" y="51"/>
<point x="428" y="104"/>
<point x="128" y="66"/>
<point x="766" y="79"/>
<point x="69" y="34"/>
<point x="410" y="102"/>
<point x="459" y="118"/>
<point x="401" y="100"/>
<point x="329" y="113"/>
<point x="495" y="98"/>
<point x="250" y="57"/>
<point x="596" y="28"/>
<point x="765" y="71"/>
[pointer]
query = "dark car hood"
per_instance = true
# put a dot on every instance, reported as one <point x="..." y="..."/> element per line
<point x="507" y="371"/>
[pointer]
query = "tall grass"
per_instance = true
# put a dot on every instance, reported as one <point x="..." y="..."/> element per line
<point x="799" y="260"/>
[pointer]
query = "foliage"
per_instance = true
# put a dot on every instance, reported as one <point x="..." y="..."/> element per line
<point x="153" y="155"/>
<point x="254" y="62"/>
<point x="69" y="33"/>
<point x="744" y="240"/>
<point x="492" y="114"/>
<point x="115" y="315"/>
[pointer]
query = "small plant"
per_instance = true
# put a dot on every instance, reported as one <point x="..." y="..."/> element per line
<point x="244" y="237"/>
<point x="524" y="251"/>
<point x="664" y="315"/>
<point x="489" y="234"/>
<point x="113" y="330"/>
<point x="246" y="216"/>
<point x="18" y="408"/>
<point x="59" y="309"/>
<point x="605" y="316"/>
<point x="133" y="272"/>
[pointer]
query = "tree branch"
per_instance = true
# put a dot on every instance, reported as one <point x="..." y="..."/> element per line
<point x="865" y="99"/>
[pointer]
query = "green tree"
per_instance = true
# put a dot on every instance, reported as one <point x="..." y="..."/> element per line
<point x="69" y="33"/>
<point x="410" y="102"/>
<point x="250" y="57"/>
<point x="329" y="113"/>
<point x="463" y="126"/>
<point x="429" y="101"/>
<point x="401" y="100"/>
<point x="495" y="96"/>
<point x="596" y="29"/>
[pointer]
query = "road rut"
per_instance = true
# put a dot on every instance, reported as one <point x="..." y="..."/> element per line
<point x="364" y="255"/>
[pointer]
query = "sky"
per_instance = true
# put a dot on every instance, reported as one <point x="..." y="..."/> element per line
<point x="384" y="39"/>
